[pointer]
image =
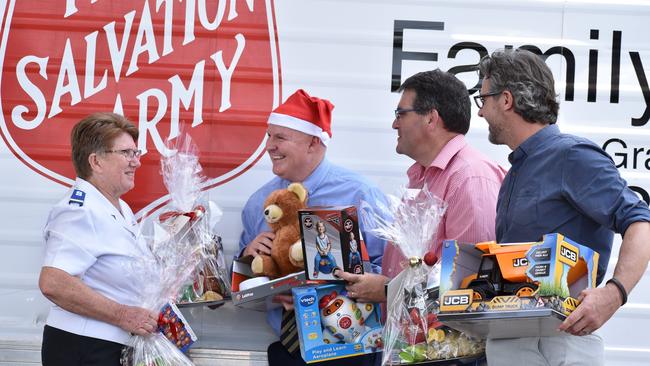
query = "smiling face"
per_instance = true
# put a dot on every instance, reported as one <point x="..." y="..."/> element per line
<point x="493" y="116"/>
<point x="291" y="153"/>
<point x="115" y="173"/>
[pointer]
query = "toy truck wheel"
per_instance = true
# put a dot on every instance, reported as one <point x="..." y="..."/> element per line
<point x="525" y="290"/>
<point x="479" y="294"/>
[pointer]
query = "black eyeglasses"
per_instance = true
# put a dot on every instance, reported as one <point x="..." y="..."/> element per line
<point x="480" y="99"/>
<point x="399" y="111"/>
<point x="127" y="153"/>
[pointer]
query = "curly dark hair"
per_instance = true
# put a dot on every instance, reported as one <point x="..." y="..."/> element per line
<point x="528" y="78"/>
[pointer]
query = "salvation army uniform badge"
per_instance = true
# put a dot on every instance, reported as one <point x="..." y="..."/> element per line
<point x="77" y="198"/>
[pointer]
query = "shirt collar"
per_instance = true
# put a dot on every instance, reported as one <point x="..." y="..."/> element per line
<point x="533" y="143"/>
<point x="314" y="180"/>
<point x="90" y="189"/>
<point x="451" y="148"/>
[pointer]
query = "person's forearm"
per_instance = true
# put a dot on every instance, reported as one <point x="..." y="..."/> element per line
<point x="71" y="294"/>
<point x="634" y="255"/>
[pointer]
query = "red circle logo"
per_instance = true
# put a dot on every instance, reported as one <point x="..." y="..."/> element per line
<point x="216" y="77"/>
<point x="345" y="322"/>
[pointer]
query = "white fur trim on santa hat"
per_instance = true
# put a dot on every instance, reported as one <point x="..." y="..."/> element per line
<point x="299" y="125"/>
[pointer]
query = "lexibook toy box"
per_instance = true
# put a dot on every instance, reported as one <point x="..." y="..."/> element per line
<point x="330" y="241"/>
<point x="331" y="326"/>
<point x="255" y="294"/>
<point x="515" y="289"/>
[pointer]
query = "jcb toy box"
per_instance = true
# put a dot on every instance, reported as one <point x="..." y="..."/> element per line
<point x="513" y="289"/>
<point x="330" y="325"/>
<point x="330" y="241"/>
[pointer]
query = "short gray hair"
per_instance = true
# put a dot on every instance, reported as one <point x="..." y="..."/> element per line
<point x="528" y="78"/>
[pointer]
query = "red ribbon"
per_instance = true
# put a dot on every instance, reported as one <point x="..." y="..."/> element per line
<point x="163" y="322"/>
<point x="171" y="214"/>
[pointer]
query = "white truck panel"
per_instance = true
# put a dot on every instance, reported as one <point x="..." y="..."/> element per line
<point x="343" y="51"/>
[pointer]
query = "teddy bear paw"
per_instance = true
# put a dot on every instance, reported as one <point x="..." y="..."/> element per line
<point x="295" y="254"/>
<point x="257" y="265"/>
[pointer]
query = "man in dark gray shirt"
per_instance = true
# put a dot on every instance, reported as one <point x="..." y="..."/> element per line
<point x="558" y="183"/>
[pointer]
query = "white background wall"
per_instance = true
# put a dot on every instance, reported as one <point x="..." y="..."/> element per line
<point x="342" y="50"/>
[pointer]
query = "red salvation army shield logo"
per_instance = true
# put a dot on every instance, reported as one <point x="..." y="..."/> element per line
<point x="210" y="68"/>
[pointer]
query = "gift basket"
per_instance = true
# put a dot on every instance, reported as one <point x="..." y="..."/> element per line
<point x="186" y="262"/>
<point x="412" y="331"/>
<point x="191" y="218"/>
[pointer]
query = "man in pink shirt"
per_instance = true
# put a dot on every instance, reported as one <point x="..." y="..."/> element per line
<point x="431" y="119"/>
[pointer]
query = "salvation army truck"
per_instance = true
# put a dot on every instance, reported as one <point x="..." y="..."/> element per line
<point x="215" y="69"/>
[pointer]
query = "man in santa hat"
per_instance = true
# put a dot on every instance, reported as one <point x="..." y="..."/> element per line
<point x="299" y="131"/>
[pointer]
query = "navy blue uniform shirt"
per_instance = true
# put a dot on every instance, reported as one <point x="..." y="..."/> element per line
<point x="560" y="183"/>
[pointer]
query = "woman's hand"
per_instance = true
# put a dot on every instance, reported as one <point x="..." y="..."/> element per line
<point x="137" y="320"/>
<point x="71" y="294"/>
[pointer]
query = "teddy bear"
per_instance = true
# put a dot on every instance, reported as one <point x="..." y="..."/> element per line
<point x="281" y="213"/>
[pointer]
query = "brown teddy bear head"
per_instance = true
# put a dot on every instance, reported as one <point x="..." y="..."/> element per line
<point x="281" y="206"/>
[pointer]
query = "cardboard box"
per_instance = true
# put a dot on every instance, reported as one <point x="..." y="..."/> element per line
<point x="258" y="298"/>
<point x="332" y="326"/>
<point x="173" y="325"/>
<point x="516" y="289"/>
<point x="336" y="228"/>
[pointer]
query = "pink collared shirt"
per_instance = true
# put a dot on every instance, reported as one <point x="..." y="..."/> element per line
<point x="469" y="183"/>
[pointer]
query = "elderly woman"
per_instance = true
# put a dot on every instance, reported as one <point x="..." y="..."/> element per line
<point x="90" y="239"/>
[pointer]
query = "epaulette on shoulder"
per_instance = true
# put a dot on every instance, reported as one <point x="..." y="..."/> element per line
<point x="77" y="198"/>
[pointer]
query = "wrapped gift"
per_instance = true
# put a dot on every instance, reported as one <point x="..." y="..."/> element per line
<point x="412" y="331"/>
<point x="184" y="251"/>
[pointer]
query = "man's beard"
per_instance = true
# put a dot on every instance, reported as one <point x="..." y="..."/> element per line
<point x="494" y="136"/>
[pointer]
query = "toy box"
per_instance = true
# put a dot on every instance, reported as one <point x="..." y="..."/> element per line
<point x="331" y="240"/>
<point x="258" y="297"/>
<point x="330" y="325"/>
<point x="172" y="324"/>
<point x="515" y="289"/>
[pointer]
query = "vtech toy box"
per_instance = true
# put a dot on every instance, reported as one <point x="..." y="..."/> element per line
<point x="331" y="325"/>
<point x="513" y="289"/>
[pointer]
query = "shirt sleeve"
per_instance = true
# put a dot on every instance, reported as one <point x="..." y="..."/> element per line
<point x="374" y="245"/>
<point x="70" y="241"/>
<point x="471" y="211"/>
<point x="591" y="182"/>
<point x="248" y="224"/>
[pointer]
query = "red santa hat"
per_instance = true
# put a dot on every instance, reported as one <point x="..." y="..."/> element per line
<point x="301" y="112"/>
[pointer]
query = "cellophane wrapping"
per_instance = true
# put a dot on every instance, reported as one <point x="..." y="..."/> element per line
<point x="183" y="247"/>
<point x="412" y="331"/>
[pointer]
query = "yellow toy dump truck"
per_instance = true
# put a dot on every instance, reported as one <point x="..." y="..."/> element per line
<point x="502" y="272"/>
